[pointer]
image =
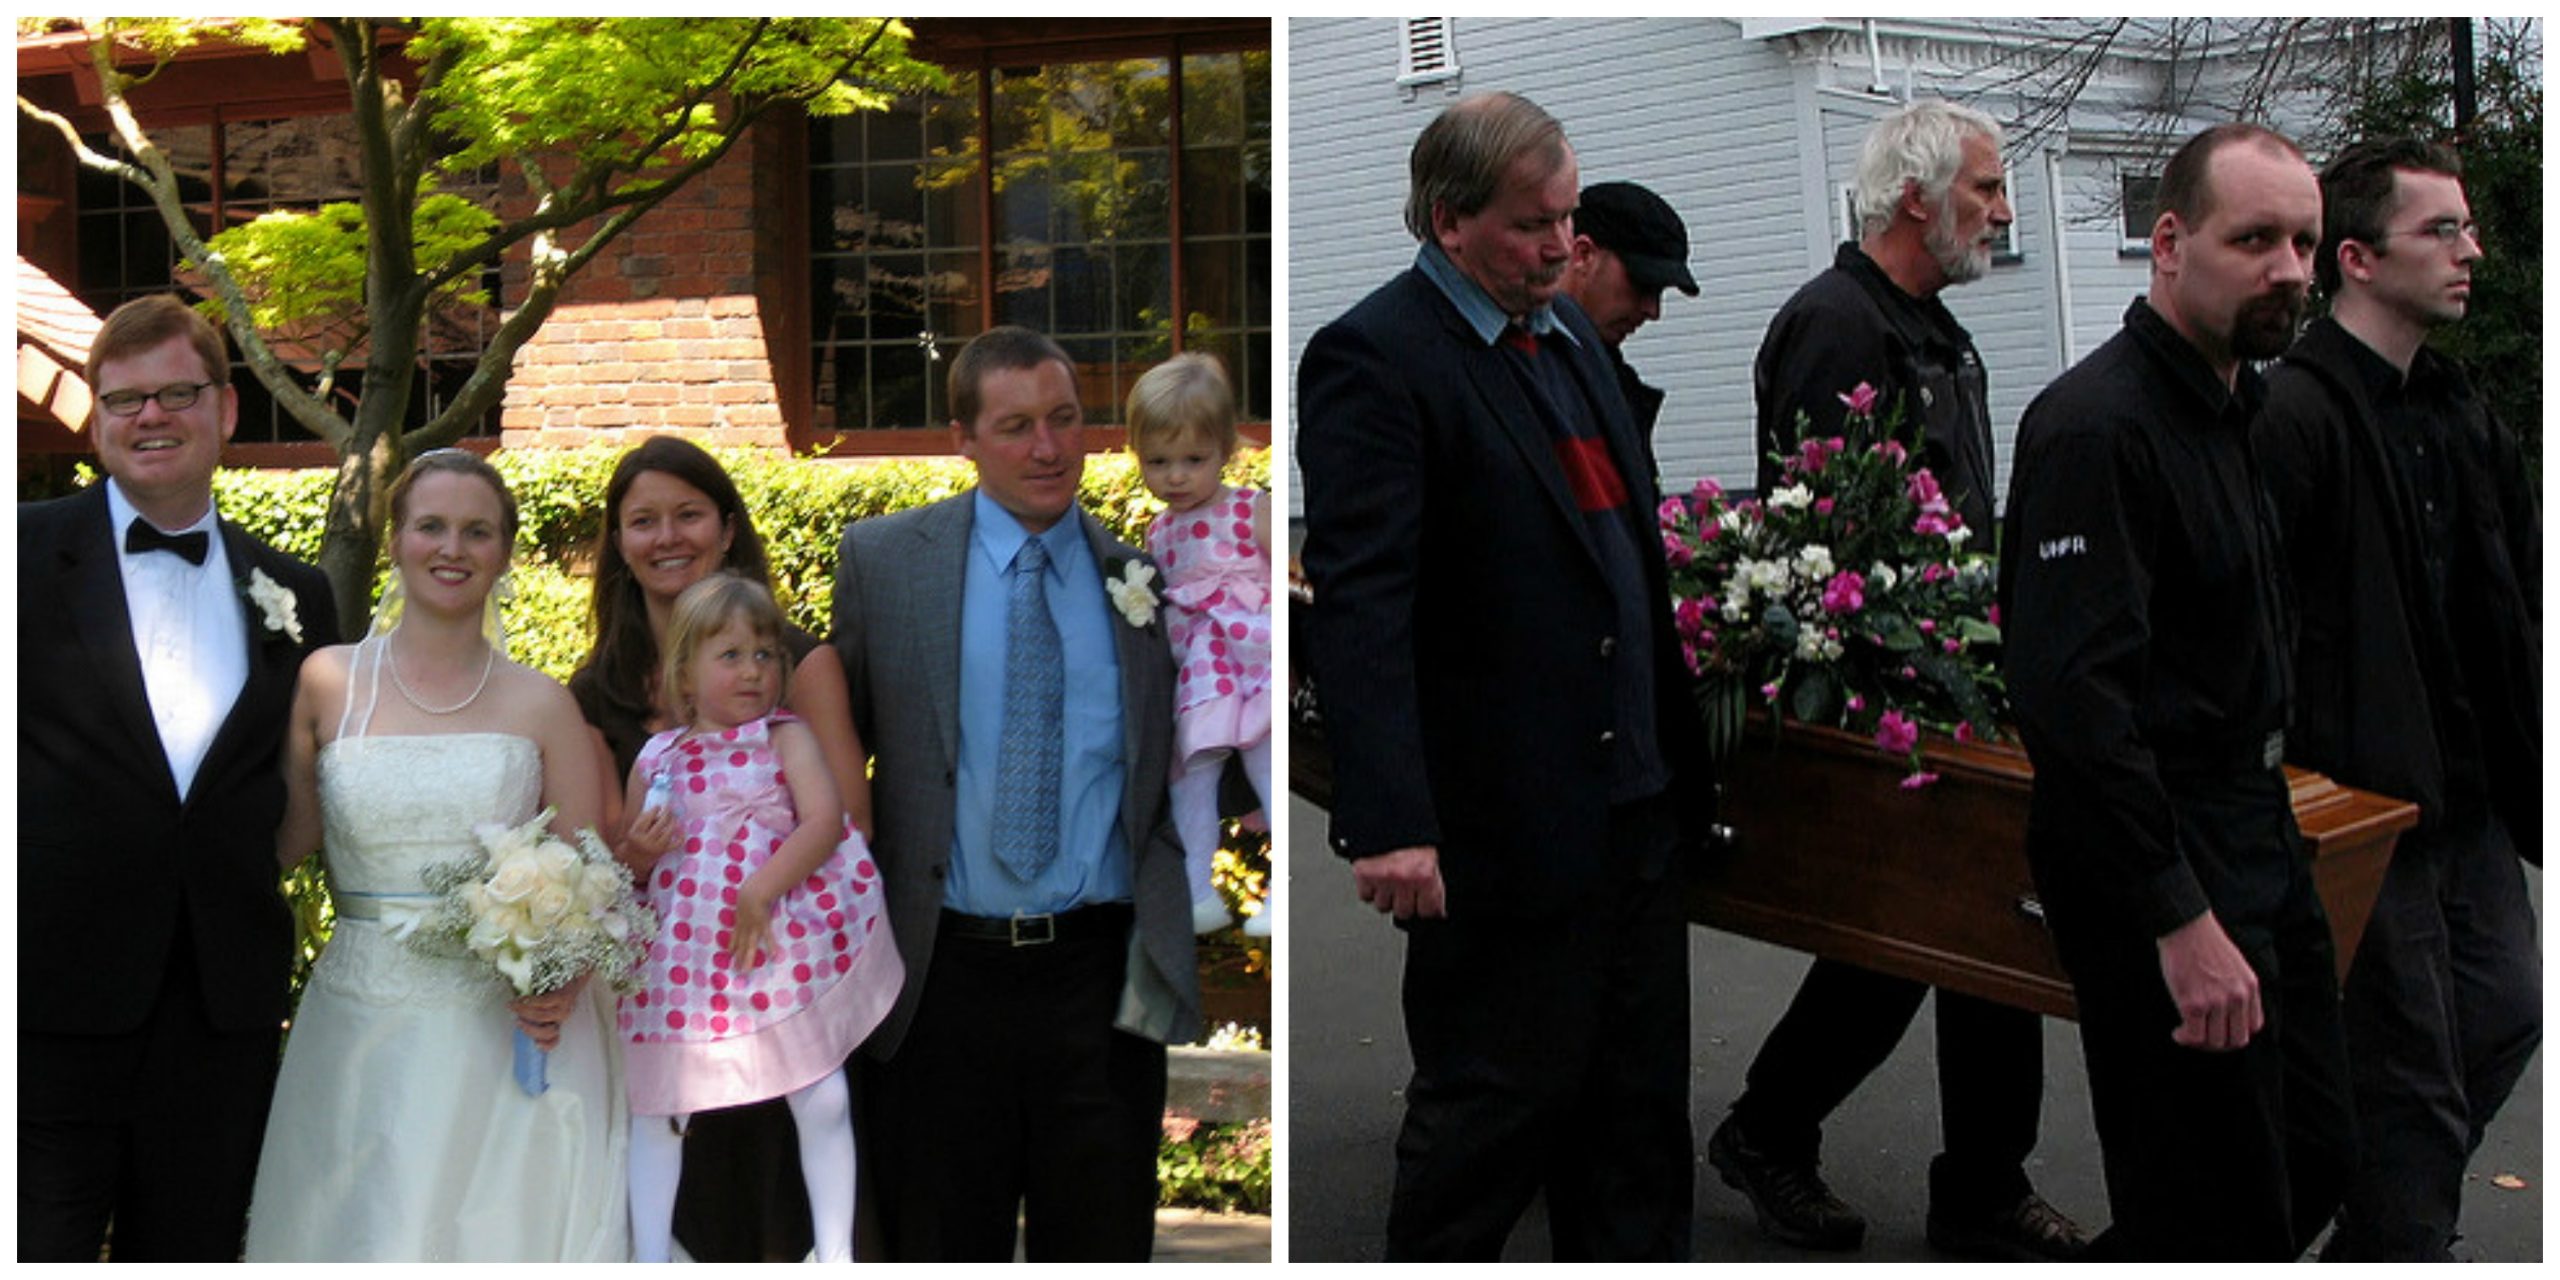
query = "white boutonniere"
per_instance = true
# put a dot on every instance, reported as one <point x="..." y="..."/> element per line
<point x="1131" y="594"/>
<point x="277" y="603"/>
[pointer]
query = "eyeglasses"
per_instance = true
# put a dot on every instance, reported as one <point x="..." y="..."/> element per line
<point x="2445" y="231"/>
<point x="175" y="396"/>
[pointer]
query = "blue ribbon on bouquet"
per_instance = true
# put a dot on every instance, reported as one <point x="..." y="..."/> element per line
<point x="532" y="1066"/>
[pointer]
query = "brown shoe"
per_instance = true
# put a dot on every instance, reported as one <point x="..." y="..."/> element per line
<point x="2029" y="1230"/>
<point x="1793" y="1203"/>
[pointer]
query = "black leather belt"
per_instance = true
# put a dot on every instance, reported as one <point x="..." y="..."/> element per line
<point x="1099" y="920"/>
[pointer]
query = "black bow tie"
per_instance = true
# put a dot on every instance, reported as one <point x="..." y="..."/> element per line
<point x="142" y="536"/>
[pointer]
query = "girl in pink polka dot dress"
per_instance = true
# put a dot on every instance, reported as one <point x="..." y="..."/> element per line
<point x="1213" y="543"/>
<point x="773" y="959"/>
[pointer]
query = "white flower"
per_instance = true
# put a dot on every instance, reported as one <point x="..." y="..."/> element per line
<point x="1957" y="535"/>
<point x="1884" y="576"/>
<point x="1730" y="521"/>
<point x="1813" y="564"/>
<point x="1130" y="593"/>
<point x="1767" y="576"/>
<point x="1794" y="496"/>
<point x="277" y="603"/>
<point x="1809" y="644"/>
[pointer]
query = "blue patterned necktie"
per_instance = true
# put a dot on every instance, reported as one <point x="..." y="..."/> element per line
<point x="1028" y="750"/>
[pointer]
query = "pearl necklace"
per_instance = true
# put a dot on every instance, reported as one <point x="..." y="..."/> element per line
<point x="393" y="661"/>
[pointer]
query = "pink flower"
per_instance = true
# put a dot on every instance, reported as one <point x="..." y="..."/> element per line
<point x="1857" y="703"/>
<point x="1896" y="733"/>
<point x="1893" y="450"/>
<point x="1995" y="615"/>
<point x="1909" y="674"/>
<point x="1822" y="506"/>
<point x="1918" y="780"/>
<point x="1952" y="645"/>
<point x="1705" y="492"/>
<point x="1964" y="731"/>
<point x="1928" y="626"/>
<point x="1689" y="617"/>
<point x="1709" y="604"/>
<point x="1931" y="522"/>
<point x="1676" y="551"/>
<point x="1672" y="511"/>
<point x="1923" y="489"/>
<point x="1846" y="593"/>
<point x="1934" y="571"/>
<point x="1861" y="400"/>
<point x="1689" y="654"/>
<point x="1709" y="531"/>
<point x="1770" y="691"/>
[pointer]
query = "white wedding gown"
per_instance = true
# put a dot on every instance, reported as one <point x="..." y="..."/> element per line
<point x="399" y="1132"/>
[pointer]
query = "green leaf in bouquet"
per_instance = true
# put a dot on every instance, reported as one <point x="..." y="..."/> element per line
<point x="1951" y="676"/>
<point x="1894" y="631"/>
<point x="1780" y="622"/>
<point x="1816" y="697"/>
<point x="1977" y="630"/>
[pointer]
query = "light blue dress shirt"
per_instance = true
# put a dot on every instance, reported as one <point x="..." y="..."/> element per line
<point x="1477" y="308"/>
<point x="1093" y="857"/>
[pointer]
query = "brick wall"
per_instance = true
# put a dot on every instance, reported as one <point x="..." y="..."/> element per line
<point x="664" y="332"/>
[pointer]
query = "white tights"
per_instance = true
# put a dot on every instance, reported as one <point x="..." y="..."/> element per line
<point x="823" y="1114"/>
<point x="1195" y="808"/>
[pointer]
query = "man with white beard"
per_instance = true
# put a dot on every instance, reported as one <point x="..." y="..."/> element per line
<point x="1932" y="198"/>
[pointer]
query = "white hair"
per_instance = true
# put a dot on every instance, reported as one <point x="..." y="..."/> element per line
<point x="1923" y="143"/>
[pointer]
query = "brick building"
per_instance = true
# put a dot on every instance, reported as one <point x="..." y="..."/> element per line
<point x="802" y="294"/>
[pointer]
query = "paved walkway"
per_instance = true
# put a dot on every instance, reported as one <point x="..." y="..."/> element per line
<point x="1197" y="1235"/>
<point x="1348" y="1066"/>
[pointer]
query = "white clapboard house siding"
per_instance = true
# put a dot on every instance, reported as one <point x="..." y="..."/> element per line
<point x="1750" y="129"/>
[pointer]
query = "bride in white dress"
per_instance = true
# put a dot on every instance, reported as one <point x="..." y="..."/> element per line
<point x="399" y="1132"/>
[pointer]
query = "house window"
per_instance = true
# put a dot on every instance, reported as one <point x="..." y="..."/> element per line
<point x="229" y="172"/>
<point x="2138" y="200"/>
<point x="1127" y="213"/>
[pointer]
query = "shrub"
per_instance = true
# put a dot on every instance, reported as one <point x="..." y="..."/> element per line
<point x="801" y="507"/>
<point x="1221" y="1167"/>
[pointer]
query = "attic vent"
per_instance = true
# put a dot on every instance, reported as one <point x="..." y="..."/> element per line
<point x="1430" y="56"/>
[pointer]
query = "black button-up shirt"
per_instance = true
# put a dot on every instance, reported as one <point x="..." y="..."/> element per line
<point x="2144" y="625"/>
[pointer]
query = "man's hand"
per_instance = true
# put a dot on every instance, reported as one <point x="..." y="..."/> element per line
<point x="2215" y="989"/>
<point x="1404" y="881"/>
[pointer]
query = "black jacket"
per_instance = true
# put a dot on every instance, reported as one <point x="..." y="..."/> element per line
<point x="115" y="868"/>
<point x="2144" y="629"/>
<point x="1463" y="630"/>
<point x="1852" y="324"/>
<point x="2373" y="656"/>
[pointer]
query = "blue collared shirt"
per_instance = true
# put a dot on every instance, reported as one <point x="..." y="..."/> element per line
<point x="1477" y="307"/>
<point x="1093" y="856"/>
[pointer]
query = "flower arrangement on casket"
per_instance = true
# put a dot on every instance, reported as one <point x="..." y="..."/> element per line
<point x="1847" y="596"/>
<point x="540" y="911"/>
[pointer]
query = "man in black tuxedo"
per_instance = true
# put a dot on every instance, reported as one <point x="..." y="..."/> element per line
<point x="1505" y="702"/>
<point x="157" y="650"/>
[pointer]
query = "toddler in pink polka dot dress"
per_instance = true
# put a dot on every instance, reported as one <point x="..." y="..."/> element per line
<point x="1213" y="543"/>
<point x="773" y="959"/>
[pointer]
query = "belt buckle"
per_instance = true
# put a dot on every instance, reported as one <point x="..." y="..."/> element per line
<point x="1033" y="931"/>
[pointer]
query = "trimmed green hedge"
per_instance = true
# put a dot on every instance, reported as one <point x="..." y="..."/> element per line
<point x="801" y="507"/>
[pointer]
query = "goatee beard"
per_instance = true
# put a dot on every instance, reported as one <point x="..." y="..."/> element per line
<point x="2265" y="327"/>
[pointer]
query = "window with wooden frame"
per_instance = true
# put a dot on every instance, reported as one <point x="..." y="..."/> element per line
<point x="1126" y="213"/>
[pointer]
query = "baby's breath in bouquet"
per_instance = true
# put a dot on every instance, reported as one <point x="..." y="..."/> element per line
<point x="541" y="911"/>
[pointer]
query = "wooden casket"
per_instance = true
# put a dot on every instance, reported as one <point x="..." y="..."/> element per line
<point x="1834" y="857"/>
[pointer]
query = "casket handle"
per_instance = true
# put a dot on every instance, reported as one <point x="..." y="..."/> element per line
<point x="2029" y="907"/>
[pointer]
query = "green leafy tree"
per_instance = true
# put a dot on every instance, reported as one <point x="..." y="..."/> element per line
<point x="597" y="120"/>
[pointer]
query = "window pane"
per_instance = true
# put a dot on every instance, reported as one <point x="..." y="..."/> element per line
<point x="898" y="381"/>
<point x="1081" y="302"/>
<point x="1086" y="195"/>
<point x="1022" y="111"/>
<point x="956" y="292"/>
<point x="1023" y="287"/>
<point x="1146" y="291"/>
<point x="1212" y="281"/>
<point x="897" y="133"/>
<point x="1212" y="191"/>
<point x="1145" y="195"/>
<point x="1141" y="102"/>
<point x="896" y="206"/>
<point x="1212" y="100"/>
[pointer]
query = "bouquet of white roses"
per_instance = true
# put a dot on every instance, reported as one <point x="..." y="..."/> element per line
<point x="540" y="911"/>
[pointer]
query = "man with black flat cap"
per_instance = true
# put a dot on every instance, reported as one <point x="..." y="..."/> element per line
<point x="1628" y="246"/>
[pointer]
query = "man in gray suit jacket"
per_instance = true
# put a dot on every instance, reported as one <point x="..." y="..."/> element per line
<point x="1020" y="716"/>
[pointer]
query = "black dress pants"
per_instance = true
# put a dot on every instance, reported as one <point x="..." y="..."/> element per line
<point x="2235" y="1156"/>
<point x="156" y="1130"/>
<point x="1552" y="1053"/>
<point x="1846" y="1020"/>
<point x="1013" y="1096"/>
<point x="2443" y="1012"/>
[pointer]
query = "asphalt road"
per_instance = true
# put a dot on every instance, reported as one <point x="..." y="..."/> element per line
<point x="1347" y="1067"/>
